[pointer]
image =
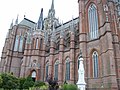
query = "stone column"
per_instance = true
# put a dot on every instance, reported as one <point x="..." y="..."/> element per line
<point x="83" y="34"/>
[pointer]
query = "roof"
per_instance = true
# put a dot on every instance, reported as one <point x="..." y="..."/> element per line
<point x="27" y="22"/>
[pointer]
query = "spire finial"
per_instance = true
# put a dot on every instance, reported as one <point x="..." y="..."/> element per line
<point x="72" y="20"/>
<point x="11" y="24"/>
<point x="72" y="25"/>
<point x="16" y="22"/>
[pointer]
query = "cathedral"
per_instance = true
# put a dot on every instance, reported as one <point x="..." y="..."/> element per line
<point x="49" y="47"/>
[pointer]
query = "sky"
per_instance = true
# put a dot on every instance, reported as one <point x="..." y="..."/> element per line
<point x="9" y="9"/>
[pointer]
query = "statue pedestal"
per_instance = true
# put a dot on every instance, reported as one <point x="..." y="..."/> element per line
<point x="81" y="86"/>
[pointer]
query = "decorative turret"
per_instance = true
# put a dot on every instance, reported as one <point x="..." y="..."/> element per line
<point x="16" y="22"/>
<point x="62" y="31"/>
<point x="72" y="25"/>
<point x="40" y="21"/>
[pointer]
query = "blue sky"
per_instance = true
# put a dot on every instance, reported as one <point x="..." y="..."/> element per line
<point x="9" y="9"/>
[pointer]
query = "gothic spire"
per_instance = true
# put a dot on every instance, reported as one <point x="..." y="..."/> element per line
<point x="51" y="13"/>
<point x="52" y="5"/>
<point x="40" y="21"/>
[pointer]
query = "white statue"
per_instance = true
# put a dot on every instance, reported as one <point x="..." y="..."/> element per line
<point x="81" y="78"/>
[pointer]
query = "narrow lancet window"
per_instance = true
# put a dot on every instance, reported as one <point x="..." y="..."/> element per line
<point x="67" y="76"/>
<point x="95" y="64"/>
<point x="93" y="21"/>
<point x="56" y="70"/>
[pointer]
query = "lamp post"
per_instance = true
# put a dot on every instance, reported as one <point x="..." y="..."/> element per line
<point x="81" y="78"/>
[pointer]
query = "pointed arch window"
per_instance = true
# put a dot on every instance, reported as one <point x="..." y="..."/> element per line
<point x="67" y="74"/>
<point x="56" y="70"/>
<point x="67" y="40"/>
<point x="37" y="43"/>
<point x="93" y="21"/>
<point x="41" y="42"/>
<point x="95" y="64"/>
<point x="21" y="44"/>
<point x="16" y="43"/>
<point x="47" y="66"/>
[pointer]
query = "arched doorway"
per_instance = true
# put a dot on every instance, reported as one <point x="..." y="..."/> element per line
<point x="33" y="75"/>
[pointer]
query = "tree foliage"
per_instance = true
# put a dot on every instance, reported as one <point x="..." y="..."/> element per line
<point x="9" y="81"/>
<point x="21" y="81"/>
<point x="28" y="83"/>
<point x="39" y="84"/>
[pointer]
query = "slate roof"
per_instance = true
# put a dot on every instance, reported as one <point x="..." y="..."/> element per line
<point x="27" y="22"/>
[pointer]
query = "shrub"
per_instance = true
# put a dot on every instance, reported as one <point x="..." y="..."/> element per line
<point x="39" y="84"/>
<point x="28" y="83"/>
<point x="69" y="87"/>
<point x="44" y="87"/>
<point x="9" y="81"/>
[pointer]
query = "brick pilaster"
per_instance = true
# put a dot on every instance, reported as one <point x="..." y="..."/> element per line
<point x="72" y="57"/>
<point x="61" y="53"/>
